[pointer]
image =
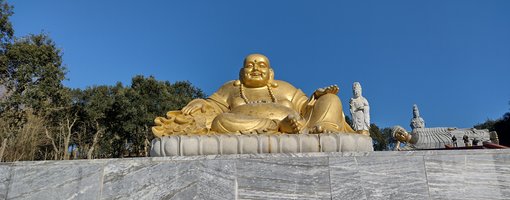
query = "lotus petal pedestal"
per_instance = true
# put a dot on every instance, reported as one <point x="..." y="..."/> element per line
<point x="189" y="145"/>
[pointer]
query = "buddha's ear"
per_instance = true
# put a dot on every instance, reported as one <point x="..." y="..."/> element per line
<point x="271" y="78"/>
<point x="241" y="74"/>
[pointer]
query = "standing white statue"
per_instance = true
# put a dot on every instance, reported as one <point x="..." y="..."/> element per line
<point x="360" y="111"/>
<point x="417" y="121"/>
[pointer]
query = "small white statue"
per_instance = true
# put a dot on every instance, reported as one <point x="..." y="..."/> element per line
<point x="417" y="121"/>
<point x="360" y="111"/>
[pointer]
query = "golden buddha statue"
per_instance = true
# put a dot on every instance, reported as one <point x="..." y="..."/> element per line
<point x="255" y="104"/>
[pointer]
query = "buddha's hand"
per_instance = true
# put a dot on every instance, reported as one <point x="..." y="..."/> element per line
<point x="193" y="106"/>
<point x="332" y="89"/>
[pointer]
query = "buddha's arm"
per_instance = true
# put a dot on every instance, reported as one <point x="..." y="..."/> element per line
<point x="203" y="105"/>
<point x="298" y="99"/>
<point x="217" y="101"/>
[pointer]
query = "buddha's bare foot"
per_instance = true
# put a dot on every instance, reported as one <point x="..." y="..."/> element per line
<point x="291" y="124"/>
<point x="271" y="128"/>
<point x="323" y="128"/>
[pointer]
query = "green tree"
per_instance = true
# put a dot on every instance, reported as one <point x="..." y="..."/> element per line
<point x="6" y="30"/>
<point x="40" y="118"/>
<point x="93" y="105"/>
<point x="488" y="124"/>
<point x="378" y="139"/>
<point x="502" y="127"/>
<point x="119" y="118"/>
<point x="150" y="98"/>
<point x="6" y="34"/>
<point x="390" y="141"/>
<point x="32" y="73"/>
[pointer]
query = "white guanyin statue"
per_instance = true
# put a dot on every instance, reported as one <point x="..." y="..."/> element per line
<point x="417" y="121"/>
<point x="360" y="111"/>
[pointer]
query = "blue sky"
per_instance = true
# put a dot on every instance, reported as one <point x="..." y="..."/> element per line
<point x="452" y="58"/>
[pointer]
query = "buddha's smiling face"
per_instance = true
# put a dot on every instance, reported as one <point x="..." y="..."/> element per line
<point x="256" y="71"/>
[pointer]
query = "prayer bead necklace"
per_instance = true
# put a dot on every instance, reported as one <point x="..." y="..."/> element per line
<point x="243" y="96"/>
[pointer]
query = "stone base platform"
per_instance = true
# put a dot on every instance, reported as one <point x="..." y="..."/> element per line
<point x="185" y="145"/>
<point x="447" y="174"/>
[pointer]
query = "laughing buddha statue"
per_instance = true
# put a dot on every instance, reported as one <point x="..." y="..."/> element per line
<point x="258" y="104"/>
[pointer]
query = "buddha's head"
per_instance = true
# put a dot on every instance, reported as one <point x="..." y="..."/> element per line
<point x="400" y="134"/>
<point x="256" y="72"/>
<point x="356" y="89"/>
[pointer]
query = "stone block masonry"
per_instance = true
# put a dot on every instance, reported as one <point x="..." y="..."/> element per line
<point x="463" y="174"/>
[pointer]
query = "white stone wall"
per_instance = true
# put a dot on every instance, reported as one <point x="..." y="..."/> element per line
<point x="467" y="174"/>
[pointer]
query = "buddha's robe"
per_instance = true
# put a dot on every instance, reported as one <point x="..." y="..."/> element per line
<point x="238" y="116"/>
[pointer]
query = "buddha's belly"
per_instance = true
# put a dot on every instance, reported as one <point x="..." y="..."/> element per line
<point x="265" y="110"/>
